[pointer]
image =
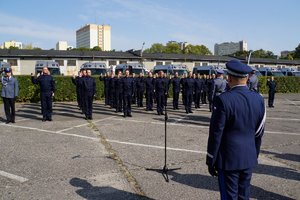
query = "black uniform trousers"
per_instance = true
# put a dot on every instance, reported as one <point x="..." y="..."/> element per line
<point x="235" y="184"/>
<point x="188" y="101"/>
<point x="203" y="97"/>
<point x="88" y="105"/>
<point x="127" y="100"/>
<point x="197" y="99"/>
<point x="175" y="99"/>
<point x="9" y="108"/>
<point x="106" y="93"/>
<point x="271" y="98"/>
<point x="119" y="101"/>
<point x="160" y="100"/>
<point x="46" y="104"/>
<point x="140" y="97"/>
<point x="149" y="99"/>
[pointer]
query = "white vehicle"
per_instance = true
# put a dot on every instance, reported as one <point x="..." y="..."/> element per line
<point x="267" y="71"/>
<point x="207" y="70"/>
<point x="53" y="66"/>
<point x="97" y="68"/>
<point x="136" y="68"/>
<point x="171" y="69"/>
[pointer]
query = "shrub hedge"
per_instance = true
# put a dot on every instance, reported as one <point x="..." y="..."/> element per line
<point x="66" y="91"/>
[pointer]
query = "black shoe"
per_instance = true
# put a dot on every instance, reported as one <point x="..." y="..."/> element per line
<point x="162" y="113"/>
<point x="13" y="121"/>
<point x="91" y="118"/>
<point x="151" y="109"/>
<point x="129" y="115"/>
<point x="44" y="119"/>
<point x="7" y="122"/>
<point x="50" y="119"/>
<point x="191" y="111"/>
<point x="158" y="113"/>
<point x="187" y="112"/>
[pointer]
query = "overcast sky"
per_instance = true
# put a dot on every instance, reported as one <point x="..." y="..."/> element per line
<point x="268" y="24"/>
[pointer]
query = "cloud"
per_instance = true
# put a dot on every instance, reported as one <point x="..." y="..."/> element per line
<point x="34" y="30"/>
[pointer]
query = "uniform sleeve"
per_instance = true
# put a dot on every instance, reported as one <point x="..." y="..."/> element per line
<point x="74" y="81"/>
<point x="217" y="124"/>
<point x="34" y="80"/>
<point x="94" y="86"/>
<point x="53" y="84"/>
<point x="16" y="88"/>
<point x="260" y="130"/>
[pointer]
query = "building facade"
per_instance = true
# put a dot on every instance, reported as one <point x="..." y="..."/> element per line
<point x="62" y="45"/>
<point x="228" y="48"/>
<point x="12" y="43"/>
<point x="92" y="35"/>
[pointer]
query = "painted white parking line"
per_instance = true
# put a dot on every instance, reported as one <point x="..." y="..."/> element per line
<point x="281" y="133"/>
<point x="283" y="119"/>
<point x="13" y="177"/>
<point x="85" y="124"/>
<point x="53" y="132"/>
<point x="292" y="103"/>
<point x="156" y="147"/>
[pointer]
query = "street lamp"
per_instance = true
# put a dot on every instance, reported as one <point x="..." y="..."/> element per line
<point x="249" y="57"/>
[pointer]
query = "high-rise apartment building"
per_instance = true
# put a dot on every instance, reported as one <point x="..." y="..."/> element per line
<point x="228" y="48"/>
<point x="62" y="45"/>
<point x="92" y="35"/>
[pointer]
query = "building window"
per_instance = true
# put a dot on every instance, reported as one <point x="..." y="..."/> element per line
<point x="204" y="64"/>
<point x="197" y="64"/>
<point x="168" y="63"/>
<point x="12" y="62"/>
<point x="71" y="63"/>
<point x="123" y="62"/>
<point x="159" y="63"/>
<point x="60" y="62"/>
<point x="112" y="62"/>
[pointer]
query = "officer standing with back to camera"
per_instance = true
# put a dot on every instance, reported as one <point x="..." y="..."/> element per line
<point x="198" y="90"/>
<point x="149" y="83"/>
<point x="175" y="81"/>
<point x="272" y="90"/>
<point x="10" y="91"/>
<point x="89" y="91"/>
<point x="219" y="83"/>
<point x="128" y="92"/>
<point x="235" y="132"/>
<point x="47" y="89"/>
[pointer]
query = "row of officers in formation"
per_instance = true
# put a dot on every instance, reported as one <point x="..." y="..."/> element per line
<point x="121" y="91"/>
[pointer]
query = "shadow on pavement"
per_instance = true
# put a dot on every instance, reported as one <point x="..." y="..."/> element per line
<point x="211" y="183"/>
<point x="281" y="172"/>
<point x="284" y="156"/>
<point x="90" y="192"/>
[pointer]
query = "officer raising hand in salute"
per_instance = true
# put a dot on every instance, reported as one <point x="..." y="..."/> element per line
<point x="235" y="132"/>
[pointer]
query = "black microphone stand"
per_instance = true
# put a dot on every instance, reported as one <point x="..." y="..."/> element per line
<point x="165" y="169"/>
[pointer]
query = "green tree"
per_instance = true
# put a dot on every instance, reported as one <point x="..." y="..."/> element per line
<point x="11" y="47"/>
<point x="172" y="47"/>
<point x="242" y="54"/>
<point x="297" y="52"/>
<point x="197" y="49"/>
<point x="155" y="48"/>
<point x="263" y="54"/>
<point x="96" y="48"/>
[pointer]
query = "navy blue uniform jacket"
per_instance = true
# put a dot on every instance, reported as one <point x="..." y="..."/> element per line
<point x="46" y="83"/>
<point x="235" y="129"/>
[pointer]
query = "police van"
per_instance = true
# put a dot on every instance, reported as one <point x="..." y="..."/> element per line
<point x="97" y="68"/>
<point x="171" y="69"/>
<point x="267" y="71"/>
<point x="3" y="65"/>
<point x="136" y="68"/>
<point x="52" y="66"/>
<point x="207" y="70"/>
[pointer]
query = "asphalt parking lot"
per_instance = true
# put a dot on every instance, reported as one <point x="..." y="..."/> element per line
<point x="112" y="157"/>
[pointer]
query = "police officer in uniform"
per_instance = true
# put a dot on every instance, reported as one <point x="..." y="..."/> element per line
<point x="189" y="85"/>
<point x="253" y="81"/>
<point x="160" y="91"/>
<point x="105" y="80"/>
<point x="134" y="97"/>
<point x="210" y="90"/>
<point x="198" y="90"/>
<point x="140" y="89"/>
<point x="76" y="80"/>
<point x="128" y="90"/>
<point x="47" y="89"/>
<point x="149" y="83"/>
<point x="112" y="91"/>
<point x="219" y="84"/>
<point x="236" y="129"/>
<point x="10" y="91"/>
<point x="204" y="91"/>
<point x="119" y="92"/>
<point x="272" y="90"/>
<point x="89" y="91"/>
<point x="182" y="83"/>
<point x="175" y="81"/>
